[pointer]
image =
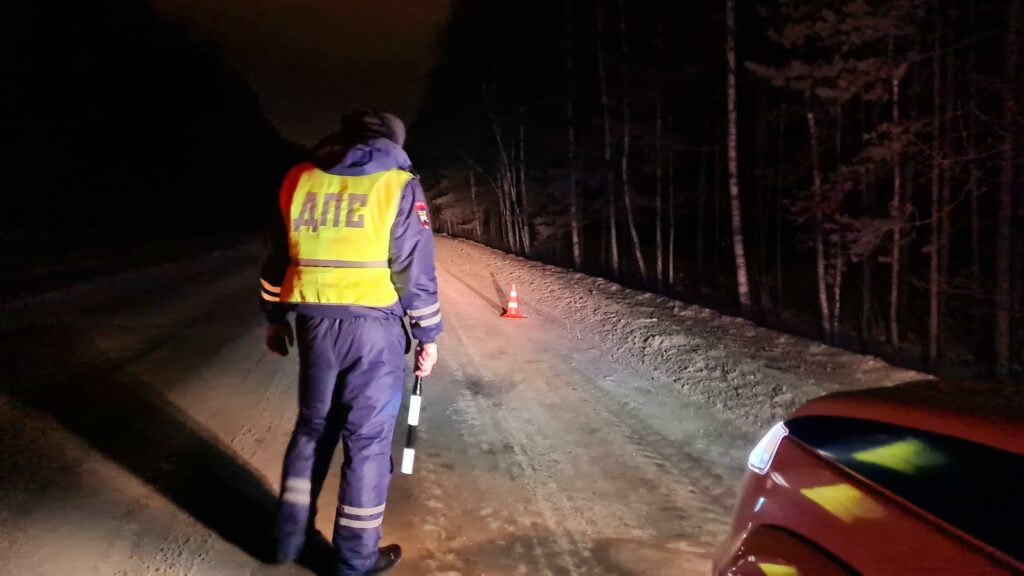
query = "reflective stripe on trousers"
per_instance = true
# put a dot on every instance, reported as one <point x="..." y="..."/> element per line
<point x="370" y="352"/>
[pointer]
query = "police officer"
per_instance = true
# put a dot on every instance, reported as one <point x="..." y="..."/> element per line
<point x="350" y="251"/>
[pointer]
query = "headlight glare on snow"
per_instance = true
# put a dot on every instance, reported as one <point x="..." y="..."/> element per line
<point x="761" y="457"/>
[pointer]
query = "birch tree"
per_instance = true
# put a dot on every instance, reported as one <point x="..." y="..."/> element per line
<point x="606" y="124"/>
<point x="849" y="37"/>
<point x="570" y="111"/>
<point x="626" y="141"/>
<point x="742" y="283"/>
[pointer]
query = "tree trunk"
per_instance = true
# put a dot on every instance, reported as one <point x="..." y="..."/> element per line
<point x="947" y="178"/>
<point x="702" y="194"/>
<point x="742" y="285"/>
<point x="574" y="199"/>
<point x="837" y="290"/>
<point x="779" y="182"/>
<point x="613" y="239"/>
<point x="513" y="208"/>
<point x="1004" y="218"/>
<point x="510" y="221"/>
<point x="524" y="214"/>
<point x="671" y="217"/>
<point x="896" y="214"/>
<point x="494" y="227"/>
<point x="476" y="213"/>
<point x="716" y="197"/>
<point x="507" y="177"/>
<point x="504" y="210"/>
<point x="819" y="231"/>
<point x="626" y="128"/>
<point x="974" y="185"/>
<point x="933" y="256"/>
<point x="764" y="294"/>
<point x="512" y="181"/>
<point x="910" y="184"/>
<point x="659" y="244"/>
<point x="868" y="262"/>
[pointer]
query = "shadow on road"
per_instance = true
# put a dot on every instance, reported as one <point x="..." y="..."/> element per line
<point x="65" y="375"/>
<point x="624" y="557"/>
<point x="483" y="297"/>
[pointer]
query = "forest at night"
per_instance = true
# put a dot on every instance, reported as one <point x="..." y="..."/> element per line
<point x="848" y="170"/>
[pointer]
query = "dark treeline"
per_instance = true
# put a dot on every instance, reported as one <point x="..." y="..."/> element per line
<point x="849" y="165"/>
<point x="115" y="120"/>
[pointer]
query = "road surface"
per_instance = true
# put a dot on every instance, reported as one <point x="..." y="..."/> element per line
<point x="142" y="427"/>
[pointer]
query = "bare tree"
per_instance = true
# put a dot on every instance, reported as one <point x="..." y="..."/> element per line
<point x="742" y="285"/>
<point x="1004" y="218"/>
<point x="778" y="207"/>
<point x="974" y="182"/>
<point x="659" y="241"/>
<point x="626" y="136"/>
<point x="895" y="213"/>
<point x="837" y="289"/>
<point x="506" y="189"/>
<point x="477" y="219"/>
<point x="947" y="176"/>
<point x="524" y="212"/>
<point x="702" y="195"/>
<point x="613" y="239"/>
<point x="819" y="230"/>
<point x="570" y="109"/>
<point x="935" y="221"/>
<point x="671" y="216"/>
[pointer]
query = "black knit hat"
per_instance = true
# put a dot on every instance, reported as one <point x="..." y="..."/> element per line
<point x="364" y="122"/>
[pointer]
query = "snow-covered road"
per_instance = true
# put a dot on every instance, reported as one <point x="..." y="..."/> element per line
<point x="142" y="427"/>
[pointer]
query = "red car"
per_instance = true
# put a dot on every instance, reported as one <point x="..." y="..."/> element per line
<point x="925" y="478"/>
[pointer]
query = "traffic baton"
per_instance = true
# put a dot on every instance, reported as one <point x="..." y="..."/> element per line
<point x="409" y="454"/>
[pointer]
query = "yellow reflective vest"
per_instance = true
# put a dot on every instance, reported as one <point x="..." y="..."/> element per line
<point x="339" y="236"/>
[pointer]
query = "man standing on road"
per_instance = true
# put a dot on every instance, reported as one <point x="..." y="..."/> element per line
<point x="351" y="252"/>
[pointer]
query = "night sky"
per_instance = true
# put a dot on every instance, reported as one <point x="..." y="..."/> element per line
<point x="309" y="61"/>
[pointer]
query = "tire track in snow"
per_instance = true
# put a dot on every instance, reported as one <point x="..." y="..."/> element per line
<point x="669" y="490"/>
<point x="479" y="423"/>
<point x="548" y="495"/>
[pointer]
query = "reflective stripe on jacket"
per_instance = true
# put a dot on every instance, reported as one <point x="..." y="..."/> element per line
<point x="339" y="234"/>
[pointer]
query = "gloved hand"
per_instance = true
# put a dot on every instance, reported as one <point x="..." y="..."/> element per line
<point x="280" y="337"/>
<point x="426" y="357"/>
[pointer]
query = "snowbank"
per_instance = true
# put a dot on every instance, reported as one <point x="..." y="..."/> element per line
<point x="752" y="375"/>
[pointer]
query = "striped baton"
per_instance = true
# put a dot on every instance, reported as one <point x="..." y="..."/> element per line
<point x="409" y="454"/>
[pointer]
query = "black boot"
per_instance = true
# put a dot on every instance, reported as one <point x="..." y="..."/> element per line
<point x="389" y="557"/>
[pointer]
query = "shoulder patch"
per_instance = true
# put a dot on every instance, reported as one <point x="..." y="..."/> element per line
<point x="423" y="215"/>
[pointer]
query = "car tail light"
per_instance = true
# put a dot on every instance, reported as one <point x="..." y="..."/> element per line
<point x="761" y="457"/>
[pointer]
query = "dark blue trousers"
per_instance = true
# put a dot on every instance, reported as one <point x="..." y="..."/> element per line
<point x="351" y="375"/>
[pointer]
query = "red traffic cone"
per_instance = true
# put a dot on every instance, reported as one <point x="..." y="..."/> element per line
<point x="512" y="312"/>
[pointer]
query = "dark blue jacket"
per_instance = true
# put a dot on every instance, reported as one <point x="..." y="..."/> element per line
<point x="412" y="243"/>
